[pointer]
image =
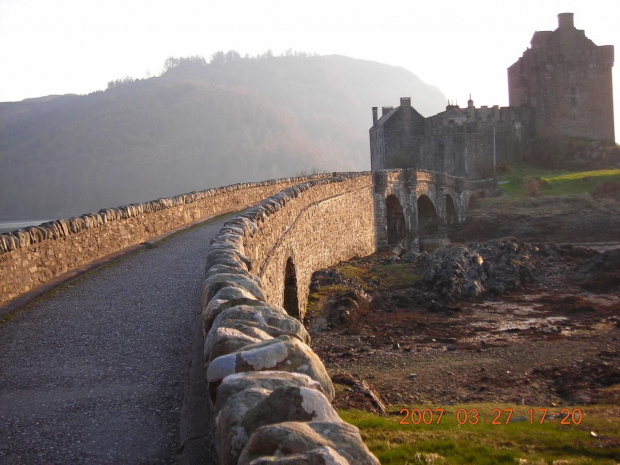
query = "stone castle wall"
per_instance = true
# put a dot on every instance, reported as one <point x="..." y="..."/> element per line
<point x="32" y="256"/>
<point x="270" y="393"/>
<point x="464" y="142"/>
<point x="567" y="81"/>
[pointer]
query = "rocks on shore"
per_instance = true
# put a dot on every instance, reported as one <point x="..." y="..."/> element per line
<point x="495" y="267"/>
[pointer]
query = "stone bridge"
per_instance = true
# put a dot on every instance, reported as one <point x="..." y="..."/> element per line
<point x="414" y="208"/>
<point x="258" y="364"/>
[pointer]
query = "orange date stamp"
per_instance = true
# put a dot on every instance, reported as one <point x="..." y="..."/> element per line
<point x="496" y="416"/>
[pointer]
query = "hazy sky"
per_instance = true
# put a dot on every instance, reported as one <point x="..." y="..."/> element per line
<point x="462" y="47"/>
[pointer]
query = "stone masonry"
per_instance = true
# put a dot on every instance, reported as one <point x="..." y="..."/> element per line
<point x="32" y="256"/>
<point x="271" y="394"/>
<point x="565" y="79"/>
<point x="414" y="208"/>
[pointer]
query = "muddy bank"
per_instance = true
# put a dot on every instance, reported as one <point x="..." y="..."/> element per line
<point x="497" y="321"/>
<point x="578" y="218"/>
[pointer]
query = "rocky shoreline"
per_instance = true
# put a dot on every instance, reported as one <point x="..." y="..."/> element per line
<point x="502" y="320"/>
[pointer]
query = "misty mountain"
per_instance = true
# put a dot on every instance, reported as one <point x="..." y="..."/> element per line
<point x="196" y="126"/>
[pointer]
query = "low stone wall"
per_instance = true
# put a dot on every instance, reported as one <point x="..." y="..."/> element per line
<point x="330" y="222"/>
<point x="271" y="394"/>
<point x="32" y="256"/>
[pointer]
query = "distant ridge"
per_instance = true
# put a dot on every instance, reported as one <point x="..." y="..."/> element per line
<point x="196" y="126"/>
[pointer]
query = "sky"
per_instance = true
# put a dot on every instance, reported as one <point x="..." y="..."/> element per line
<point x="462" y="47"/>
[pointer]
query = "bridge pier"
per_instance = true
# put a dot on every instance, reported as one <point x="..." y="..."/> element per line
<point x="411" y="186"/>
<point x="379" y="184"/>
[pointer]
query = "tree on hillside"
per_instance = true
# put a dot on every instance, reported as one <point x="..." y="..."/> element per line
<point x="121" y="81"/>
<point x="186" y="62"/>
<point x="220" y="58"/>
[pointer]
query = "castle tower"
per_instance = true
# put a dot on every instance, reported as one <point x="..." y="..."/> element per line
<point x="567" y="80"/>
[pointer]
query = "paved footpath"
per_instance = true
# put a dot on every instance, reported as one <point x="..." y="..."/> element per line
<point x="96" y="372"/>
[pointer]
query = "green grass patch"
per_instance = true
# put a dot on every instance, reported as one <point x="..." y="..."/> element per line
<point x="351" y="271"/>
<point x="316" y="299"/>
<point x="559" y="183"/>
<point x="517" y="442"/>
<point x="578" y="183"/>
<point x="394" y="276"/>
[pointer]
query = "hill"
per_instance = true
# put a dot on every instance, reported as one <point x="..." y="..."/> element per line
<point x="198" y="125"/>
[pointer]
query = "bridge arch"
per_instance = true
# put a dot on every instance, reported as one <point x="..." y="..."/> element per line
<point x="428" y="219"/>
<point x="396" y="225"/>
<point x="290" y="300"/>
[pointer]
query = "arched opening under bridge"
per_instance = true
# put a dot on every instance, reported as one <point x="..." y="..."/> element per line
<point x="291" y="304"/>
<point x="396" y="227"/>
<point x="428" y="221"/>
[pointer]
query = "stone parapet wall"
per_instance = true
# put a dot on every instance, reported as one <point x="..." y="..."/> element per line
<point x="34" y="255"/>
<point x="271" y="394"/>
<point x="332" y="221"/>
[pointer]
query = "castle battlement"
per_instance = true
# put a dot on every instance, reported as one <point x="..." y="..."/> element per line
<point x="560" y="88"/>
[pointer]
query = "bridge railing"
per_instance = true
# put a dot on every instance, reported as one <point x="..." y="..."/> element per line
<point x="35" y="255"/>
<point x="270" y="392"/>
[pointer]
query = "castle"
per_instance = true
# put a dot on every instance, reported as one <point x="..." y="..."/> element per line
<point x="559" y="90"/>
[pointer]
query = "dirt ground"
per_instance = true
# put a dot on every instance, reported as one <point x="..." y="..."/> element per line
<point x="575" y="219"/>
<point x="551" y="339"/>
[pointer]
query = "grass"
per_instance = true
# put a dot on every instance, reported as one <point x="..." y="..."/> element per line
<point x="394" y="276"/>
<point x="517" y="442"/>
<point x="350" y="271"/>
<point x="316" y="299"/>
<point x="560" y="183"/>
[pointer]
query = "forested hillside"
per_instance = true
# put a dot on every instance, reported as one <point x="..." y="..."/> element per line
<point x="196" y="126"/>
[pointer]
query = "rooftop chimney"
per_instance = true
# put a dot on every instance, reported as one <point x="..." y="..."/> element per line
<point x="565" y="20"/>
<point x="374" y="115"/>
<point x="406" y="113"/>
